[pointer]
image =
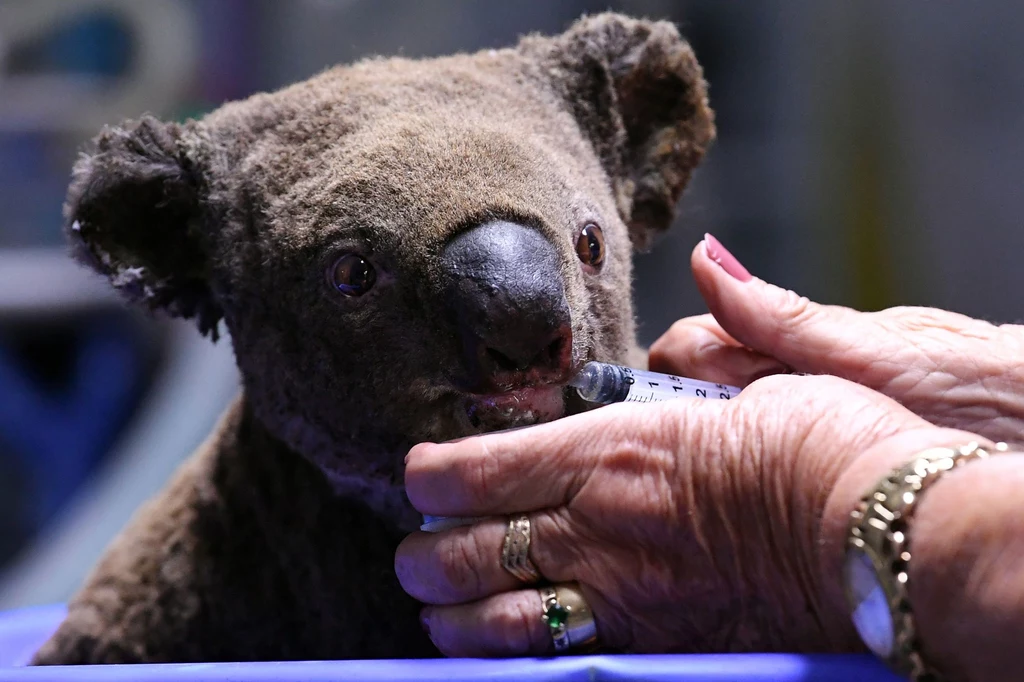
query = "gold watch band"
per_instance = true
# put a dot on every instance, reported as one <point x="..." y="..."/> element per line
<point x="878" y="555"/>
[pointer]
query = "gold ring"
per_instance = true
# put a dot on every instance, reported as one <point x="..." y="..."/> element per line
<point x="569" y="618"/>
<point x="515" y="553"/>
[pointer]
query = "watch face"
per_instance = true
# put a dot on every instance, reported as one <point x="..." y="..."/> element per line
<point x="868" y="602"/>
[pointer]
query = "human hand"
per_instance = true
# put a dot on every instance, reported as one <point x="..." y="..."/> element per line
<point x="950" y="369"/>
<point x="690" y="525"/>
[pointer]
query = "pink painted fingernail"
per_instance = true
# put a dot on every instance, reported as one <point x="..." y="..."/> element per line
<point x="718" y="253"/>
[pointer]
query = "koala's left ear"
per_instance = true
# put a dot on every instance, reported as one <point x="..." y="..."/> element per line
<point x="135" y="213"/>
<point x="639" y="94"/>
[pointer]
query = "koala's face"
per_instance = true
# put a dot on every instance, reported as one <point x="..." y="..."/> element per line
<point x="438" y="274"/>
<point x="409" y="250"/>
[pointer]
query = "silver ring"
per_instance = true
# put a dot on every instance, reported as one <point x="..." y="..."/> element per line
<point x="568" y="617"/>
<point x="515" y="553"/>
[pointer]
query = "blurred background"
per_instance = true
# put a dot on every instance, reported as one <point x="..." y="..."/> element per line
<point x="870" y="154"/>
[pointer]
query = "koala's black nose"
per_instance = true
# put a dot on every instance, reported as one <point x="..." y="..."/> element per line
<point x="509" y="303"/>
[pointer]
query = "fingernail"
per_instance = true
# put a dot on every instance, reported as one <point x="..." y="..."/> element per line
<point x="419" y="446"/>
<point x="718" y="253"/>
<point x="425" y="621"/>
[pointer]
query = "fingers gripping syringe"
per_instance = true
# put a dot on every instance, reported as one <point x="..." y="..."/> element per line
<point x="600" y="382"/>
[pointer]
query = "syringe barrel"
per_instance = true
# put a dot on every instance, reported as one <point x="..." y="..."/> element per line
<point x="605" y="383"/>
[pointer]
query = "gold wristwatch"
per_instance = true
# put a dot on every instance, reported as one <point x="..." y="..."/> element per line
<point x="878" y="557"/>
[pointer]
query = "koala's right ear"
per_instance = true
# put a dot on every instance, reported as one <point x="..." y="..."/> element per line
<point x="134" y="213"/>
<point x="639" y="95"/>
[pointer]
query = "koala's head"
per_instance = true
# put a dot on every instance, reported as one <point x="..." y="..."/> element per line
<point x="408" y="250"/>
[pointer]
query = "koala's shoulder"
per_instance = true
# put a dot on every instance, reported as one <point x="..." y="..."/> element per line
<point x="121" y="608"/>
<point x="172" y="574"/>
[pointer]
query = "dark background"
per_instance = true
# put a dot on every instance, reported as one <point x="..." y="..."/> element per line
<point x="870" y="154"/>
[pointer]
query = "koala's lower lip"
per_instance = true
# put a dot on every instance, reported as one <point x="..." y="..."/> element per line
<point x="519" y="407"/>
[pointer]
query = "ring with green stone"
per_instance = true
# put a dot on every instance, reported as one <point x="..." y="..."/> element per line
<point x="568" y="618"/>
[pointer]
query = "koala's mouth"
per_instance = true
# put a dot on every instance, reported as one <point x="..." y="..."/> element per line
<point x="518" y="407"/>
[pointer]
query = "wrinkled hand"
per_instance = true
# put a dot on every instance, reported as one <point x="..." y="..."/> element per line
<point x="691" y="525"/>
<point x="950" y="369"/>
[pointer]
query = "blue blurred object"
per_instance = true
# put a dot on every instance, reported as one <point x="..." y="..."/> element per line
<point x="23" y="631"/>
<point x="94" y="43"/>
<point x="58" y="434"/>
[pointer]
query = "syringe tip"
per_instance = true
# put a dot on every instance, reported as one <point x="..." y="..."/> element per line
<point x="584" y="376"/>
<point x="591" y="383"/>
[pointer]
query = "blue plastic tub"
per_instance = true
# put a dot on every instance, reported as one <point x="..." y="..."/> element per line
<point x="21" y="632"/>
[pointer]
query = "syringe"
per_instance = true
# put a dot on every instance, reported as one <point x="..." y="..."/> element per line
<point x="601" y="382"/>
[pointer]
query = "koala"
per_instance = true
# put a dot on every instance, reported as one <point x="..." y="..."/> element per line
<point x="401" y="251"/>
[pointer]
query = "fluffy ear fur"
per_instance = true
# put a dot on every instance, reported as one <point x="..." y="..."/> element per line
<point x="639" y="94"/>
<point x="134" y="213"/>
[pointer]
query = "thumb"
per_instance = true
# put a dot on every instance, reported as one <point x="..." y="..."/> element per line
<point x="804" y="335"/>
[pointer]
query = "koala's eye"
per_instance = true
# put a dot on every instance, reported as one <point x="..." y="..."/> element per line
<point x="590" y="245"/>
<point x="353" y="275"/>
